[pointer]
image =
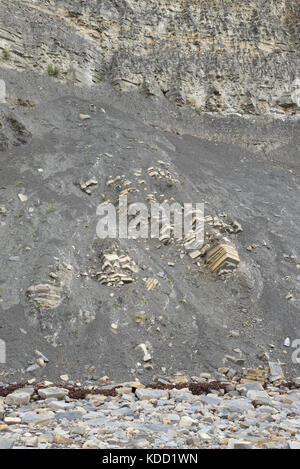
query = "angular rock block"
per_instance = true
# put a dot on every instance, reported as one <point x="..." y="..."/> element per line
<point x="220" y="255"/>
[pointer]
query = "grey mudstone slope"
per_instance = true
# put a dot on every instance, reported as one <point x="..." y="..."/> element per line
<point x="70" y="139"/>
<point x="52" y="299"/>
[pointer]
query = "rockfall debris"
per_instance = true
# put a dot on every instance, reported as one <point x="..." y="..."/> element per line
<point x="175" y="413"/>
<point x="223" y="256"/>
<point x="117" y="269"/>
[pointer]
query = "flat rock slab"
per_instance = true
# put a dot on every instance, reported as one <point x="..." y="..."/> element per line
<point x="148" y="394"/>
<point x="32" y="418"/>
<point x="69" y="415"/>
<point x="6" y="443"/>
<point x="239" y="444"/>
<point x="210" y="400"/>
<point x="236" y="405"/>
<point x="56" y="393"/>
<point x="18" y="398"/>
<point x="292" y="445"/>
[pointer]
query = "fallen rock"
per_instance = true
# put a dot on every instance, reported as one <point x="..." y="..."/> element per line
<point x="45" y="295"/>
<point x="151" y="283"/>
<point x="239" y="444"/>
<point x="31" y="442"/>
<point x="147" y="357"/>
<point x="23" y="197"/>
<point x="223" y="255"/>
<point x="34" y="418"/>
<point x="12" y="420"/>
<point x="6" y="443"/>
<point x="18" y="398"/>
<point x="187" y="422"/>
<point x="117" y="269"/>
<point x="148" y="394"/>
<point x="276" y="372"/>
<point x="85" y="185"/>
<point x="91" y="444"/>
<point x="254" y="375"/>
<point x="55" y="393"/>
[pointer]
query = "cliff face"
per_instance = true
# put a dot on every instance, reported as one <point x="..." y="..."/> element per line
<point x="216" y="55"/>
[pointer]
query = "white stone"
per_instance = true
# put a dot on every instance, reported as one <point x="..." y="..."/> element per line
<point x="64" y="377"/>
<point x="187" y="422"/>
<point x="18" y="398"/>
<point x="147" y="356"/>
<point x="287" y="342"/>
<point x="12" y="420"/>
<point x="23" y="197"/>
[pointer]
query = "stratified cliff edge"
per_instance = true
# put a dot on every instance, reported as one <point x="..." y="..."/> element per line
<point x="216" y="55"/>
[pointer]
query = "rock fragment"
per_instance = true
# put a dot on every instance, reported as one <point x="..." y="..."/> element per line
<point x="254" y="375"/>
<point x="223" y="255"/>
<point x="148" y="394"/>
<point x="276" y="372"/>
<point x="147" y="357"/>
<point x="53" y="392"/>
<point x="23" y="197"/>
<point x="151" y="283"/>
<point x="117" y="269"/>
<point x="18" y="398"/>
<point x="6" y="443"/>
<point x="45" y="295"/>
<point x="85" y="185"/>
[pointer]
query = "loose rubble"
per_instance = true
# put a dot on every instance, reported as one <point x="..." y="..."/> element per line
<point x="203" y="413"/>
<point x="85" y="186"/>
<point x="117" y="269"/>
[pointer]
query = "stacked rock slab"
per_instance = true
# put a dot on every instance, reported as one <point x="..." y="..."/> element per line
<point x="252" y="375"/>
<point x="117" y="269"/>
<point x="222" y="255"/>
<point x="45" y="295"/>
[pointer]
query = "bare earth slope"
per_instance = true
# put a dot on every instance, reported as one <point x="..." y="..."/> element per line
<point x="245" y="169"/>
